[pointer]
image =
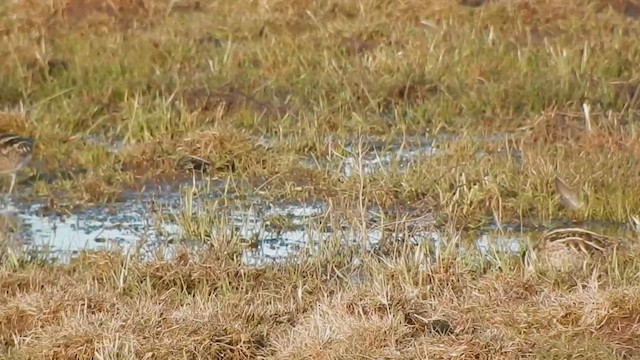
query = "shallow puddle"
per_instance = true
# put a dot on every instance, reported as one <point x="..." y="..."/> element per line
<point x="102" y="227"/>
<point x="367" y="156"/>
<point x="150" y="221"/>
<point x="378" y="157"/>
<point x="146" y="224"/>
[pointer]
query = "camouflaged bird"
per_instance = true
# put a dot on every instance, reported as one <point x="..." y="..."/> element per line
<point x="15" y="152"/>
<point x="572" y="248"/>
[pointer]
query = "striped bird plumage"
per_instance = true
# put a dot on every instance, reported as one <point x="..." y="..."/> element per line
<point x="578" y="239"/>
<point x="573" y="247"/>
<point x="15" y="152"/>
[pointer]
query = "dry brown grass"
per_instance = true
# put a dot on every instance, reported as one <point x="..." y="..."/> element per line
<point x="245" y="90"/>
<point x="207" y="306"/>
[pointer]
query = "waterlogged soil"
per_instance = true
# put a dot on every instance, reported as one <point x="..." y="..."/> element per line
<point x="151" y="224"/>
<point x="155" y="222"/>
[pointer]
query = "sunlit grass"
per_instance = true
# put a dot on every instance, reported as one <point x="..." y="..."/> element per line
<point x="276" y="99"/>
<point x="154" y="77"/>
<point x="338" y="301"/>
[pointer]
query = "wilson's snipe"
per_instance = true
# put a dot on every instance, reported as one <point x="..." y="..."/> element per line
<point x="15" y="152"/>
<point x="572" y="248"/>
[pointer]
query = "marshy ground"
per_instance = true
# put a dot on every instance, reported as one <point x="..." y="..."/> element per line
<point x="302" y="179"/>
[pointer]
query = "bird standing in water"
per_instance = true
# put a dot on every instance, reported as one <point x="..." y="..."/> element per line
<point x="15" y="152"/>
<point x="572" y="248"/>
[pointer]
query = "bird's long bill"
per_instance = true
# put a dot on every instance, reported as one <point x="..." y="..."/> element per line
<point x="527" y="255"/>
<point x="569" y="198"/>
<point x="634" y="224"/>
